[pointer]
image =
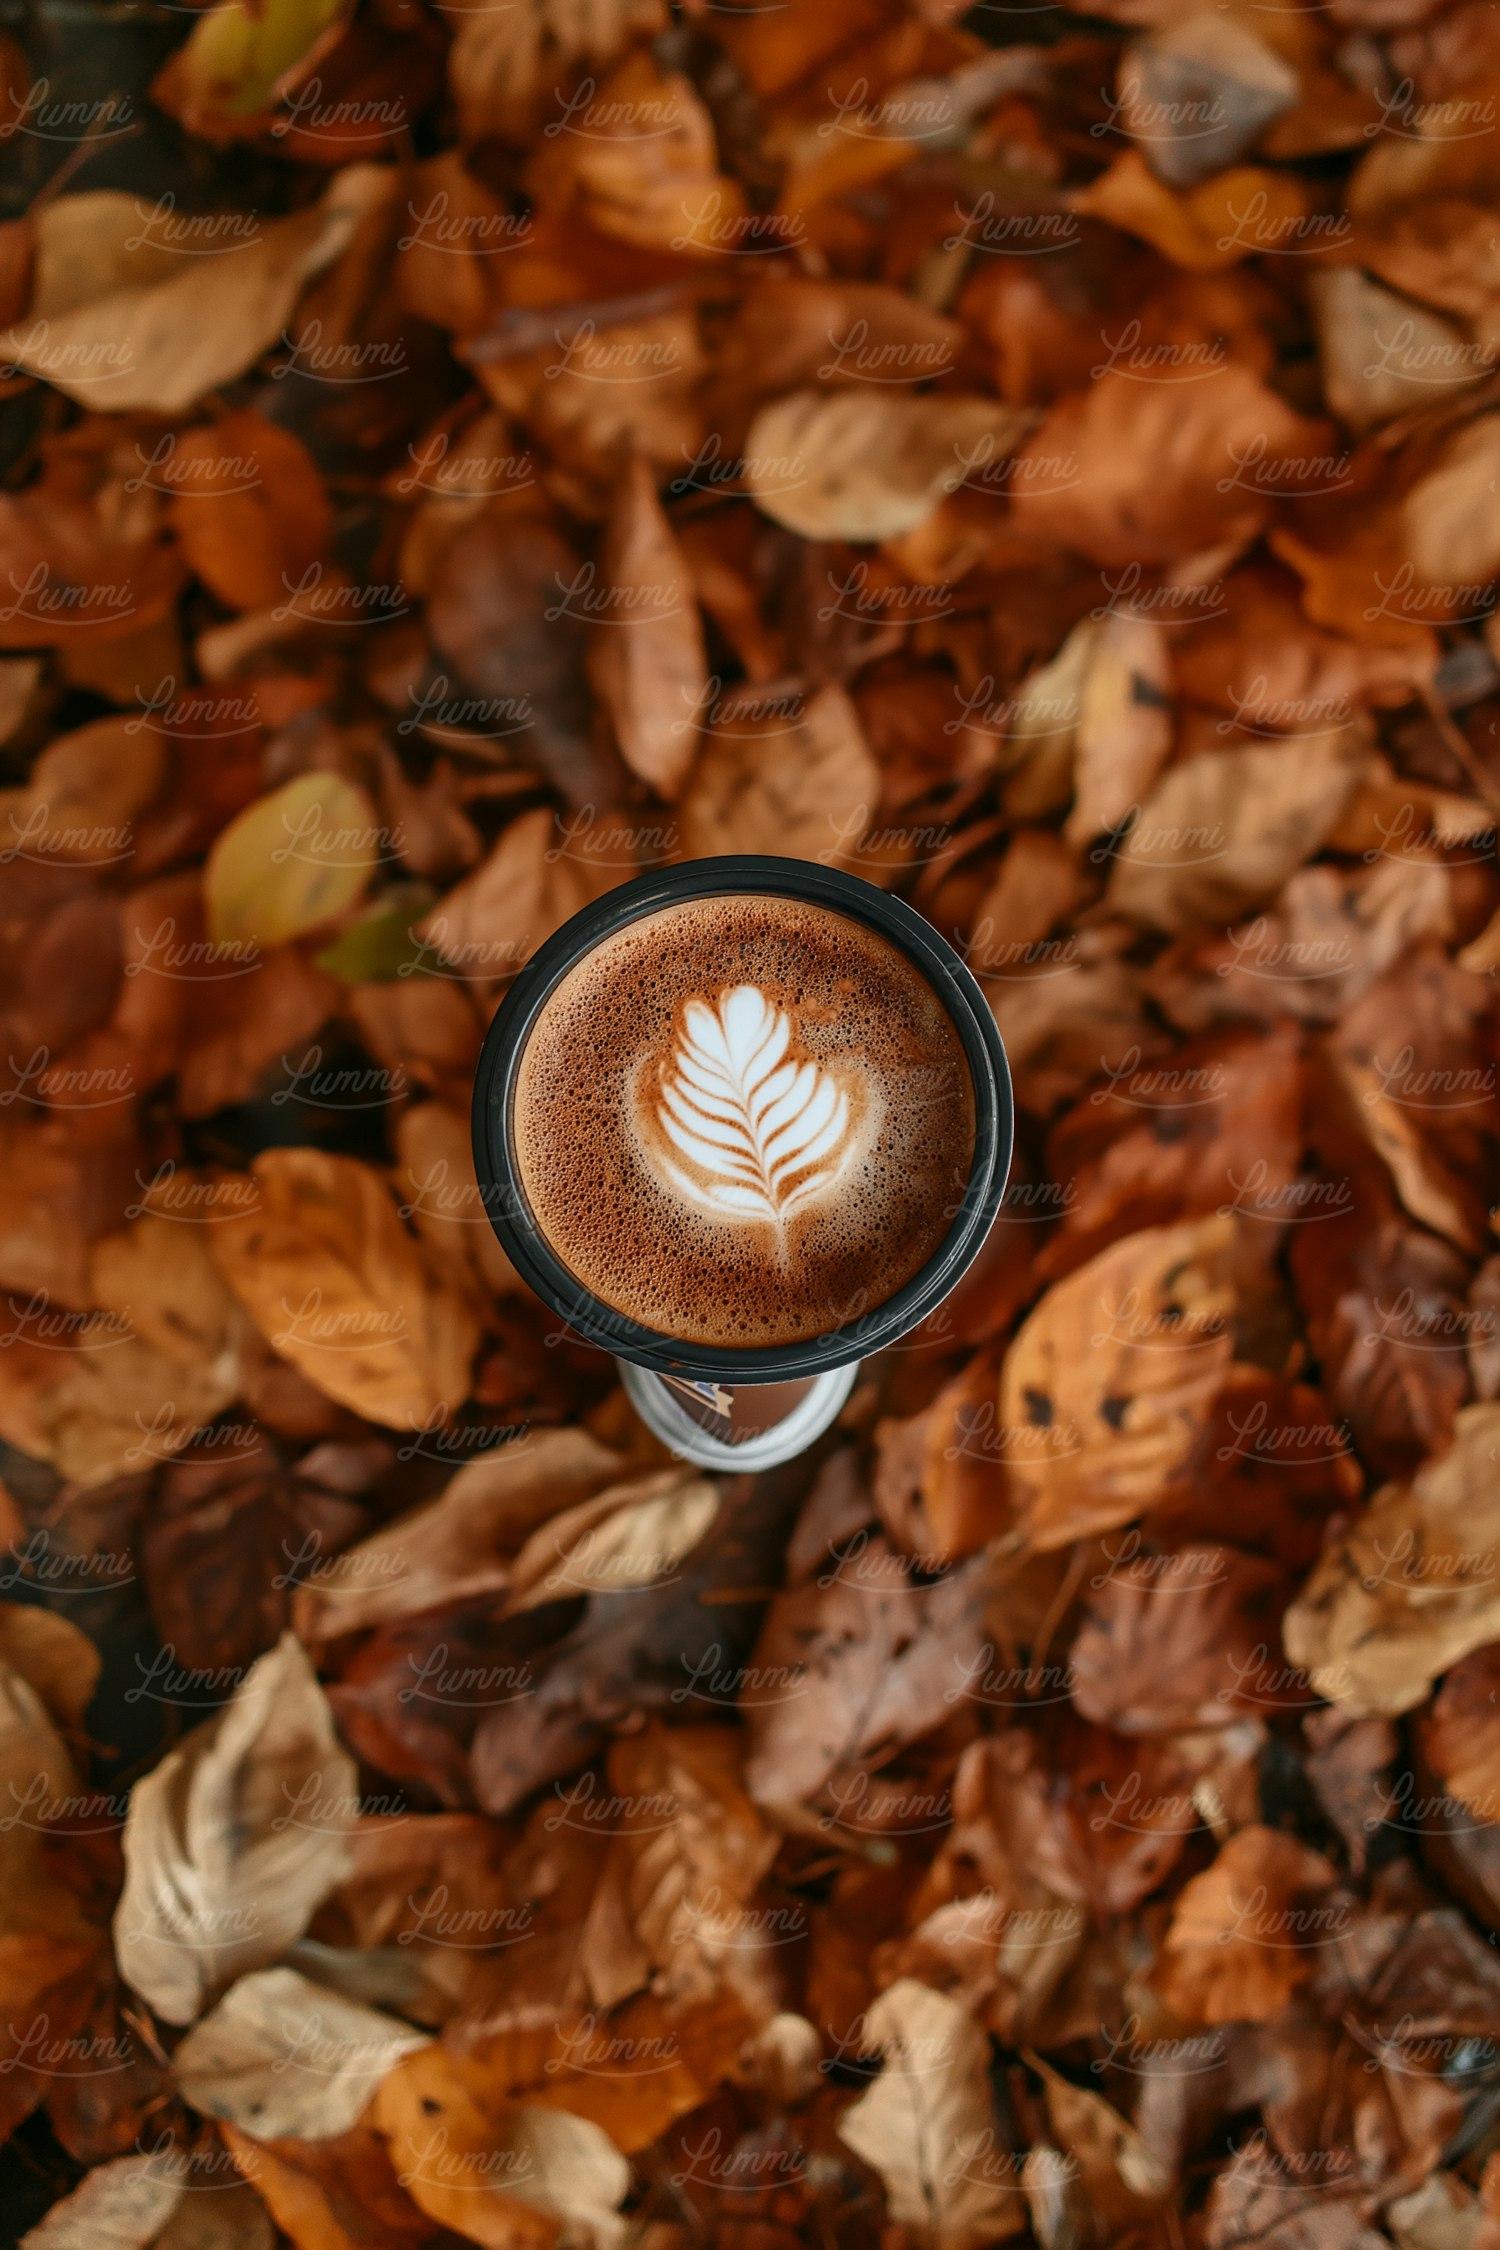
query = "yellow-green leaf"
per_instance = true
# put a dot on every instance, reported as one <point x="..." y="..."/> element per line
<point x="290" y="862"/>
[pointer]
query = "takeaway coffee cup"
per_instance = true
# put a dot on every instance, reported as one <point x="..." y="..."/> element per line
<point x="743" y="1122"/>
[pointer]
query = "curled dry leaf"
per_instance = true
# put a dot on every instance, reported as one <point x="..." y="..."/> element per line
<point x="1138" y="473"/>
<point x="630" y="1536"/>
<point x="234" y="1839"/>
<point x="646" y="656"/>
<point x="1409" y="1589"/>
<point x="328" y="1274"/>
<point x="866" y="465"/>
<point x="122" y="317"/>
<point x="282" y="2057"/>
<point x="1176" y="1643"/>
<point x="1461" y="1733"/>
<point x="1109" y="1382"/>
<point x="463" y="1543"/>
<point x="500" y="2174"/>
<point x="153" y="2203"/>
<point x="505" y="63"/>
<point x="119" y="2206"/>
<point x="927" y="2125"/>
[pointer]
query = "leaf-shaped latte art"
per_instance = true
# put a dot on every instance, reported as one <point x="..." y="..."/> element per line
<point x="758" y="1134"/>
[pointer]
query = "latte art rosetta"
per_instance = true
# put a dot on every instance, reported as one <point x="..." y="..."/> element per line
<point x="742" y="1128"/>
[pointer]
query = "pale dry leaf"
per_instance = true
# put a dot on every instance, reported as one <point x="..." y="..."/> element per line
<point x="119" y="2206"/>
<point x="646" y="654"/>
<point x="1110" y="1380"/>
<point x="461" y="1544"/>
<point x="505" y="2175"/>
<point x="157" y="1274"/>
<point x="115" y="1404"/>
<point x="803" y="789"/>
<point x="327" y="1272"/>
<point x="1198" y="93"/>
<point x="927" y="2125"/>
<point x="1450" y="519"/>
<point x="283" y="2058"/>
<point x="1124" y="728"/>
<point x="674" y="1904"/>
<point x="1221" y="832"/>
<point x="233" y="1841"/>
<point x="123" y="317"/>
<point x="631" y="1535"/>
<point x="866" y="465"/>
<point x="1409" y="1588"/>
<point x="1381" y="353"/>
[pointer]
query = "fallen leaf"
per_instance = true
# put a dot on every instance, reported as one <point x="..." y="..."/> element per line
<point x="504" y="64"/>
<point x="462" y="1543"/>
<point x="233" y="1839"/>
<point x="927" y="2125"/>
<point x="646" y="656"/>
<point x="237" y="60"/>
<point x="1250" y="1929"/>
<point x="1109" y="1382"/>
<point x="1140" y="470"/>
<point x="805" y="788"/>
<point x="1410" y="1588"/>
<point x="1222" y="832"/>
<point x="126" y="315"/>
<point x="867" y="465"/>
<point x="538" y="875"/>
<point x="326" y="1271"/>
<point x="248" y="506"/>
<point x="282" y="2057"/>
<point x="290" y="862"/>
<point x="509" y="2177"/>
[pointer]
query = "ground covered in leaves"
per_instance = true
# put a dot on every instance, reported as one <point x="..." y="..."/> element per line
<point x="455" y="455"/>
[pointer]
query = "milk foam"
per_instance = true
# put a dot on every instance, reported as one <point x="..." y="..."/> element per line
<point x="743" y="1126"/>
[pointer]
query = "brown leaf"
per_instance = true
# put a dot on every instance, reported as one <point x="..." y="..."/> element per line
<point x="248" y="508"/>
<point x="1109" y="1381"/>
<point x="1410" y="1588"/>
<point x="459" y="1545"/>
<point x="1175" y="1642"/>
<point x="1152" y="476"/>
<point x="1222" y="832"/>
<point x="492" y="923"/>
<point x="805" y="789"/>
<point x="1250" y="1929"/>
<point x="325" y="1270"/>
<point x="646" y="654"/>
<point x="509" y="2177"/>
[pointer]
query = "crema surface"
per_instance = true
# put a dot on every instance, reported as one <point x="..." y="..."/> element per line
<point x="744" y="1121"/>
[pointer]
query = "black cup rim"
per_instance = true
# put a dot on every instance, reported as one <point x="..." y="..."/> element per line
<point x="588" y="1316"/>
